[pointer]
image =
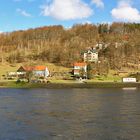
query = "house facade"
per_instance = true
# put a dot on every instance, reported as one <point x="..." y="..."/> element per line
<point x="41" y="71"/>
<point x="37" y="71"/>
<point x="91" y="56"/>
<point x="80" y="69"/>
<point x="22" y="71"/>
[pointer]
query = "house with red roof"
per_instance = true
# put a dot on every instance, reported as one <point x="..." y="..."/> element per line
<point x="41" y="71"/>
<point x="25" y="69"/>
<point x="80" y="68"/>
<point x="37" y="71"/>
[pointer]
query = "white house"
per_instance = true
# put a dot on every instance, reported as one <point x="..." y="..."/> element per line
<point x="91" y="56"/>
<point x="80" y="67"/>
<point x="38" y="71"/>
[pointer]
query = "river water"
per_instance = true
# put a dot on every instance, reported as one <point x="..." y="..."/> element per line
<point x="69" y="114"/>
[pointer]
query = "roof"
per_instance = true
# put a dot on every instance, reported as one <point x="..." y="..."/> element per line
<point x="28" y="68"/>
<point x="91" y="51"/>
<point x="31" y="68"/>
<point x="80" y="64"/>
<point x="40" y="68"/>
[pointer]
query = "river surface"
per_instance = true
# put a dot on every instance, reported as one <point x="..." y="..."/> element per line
<point x="69" y="114"/>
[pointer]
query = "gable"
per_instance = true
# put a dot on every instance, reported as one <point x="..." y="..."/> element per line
<point x="21" y="69"/>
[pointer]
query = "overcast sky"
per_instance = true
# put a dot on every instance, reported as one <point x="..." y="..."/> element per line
<point x="24" y="14"/>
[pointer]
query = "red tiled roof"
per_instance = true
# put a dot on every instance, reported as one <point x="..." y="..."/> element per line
<point x="80" y="64"/>
<point x="37" y="68"/>
<point x="40" y="68"/>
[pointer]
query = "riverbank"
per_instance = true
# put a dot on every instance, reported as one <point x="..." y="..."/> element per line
<point x="58" y="85"/>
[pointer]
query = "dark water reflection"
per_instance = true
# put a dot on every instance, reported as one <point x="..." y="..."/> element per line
<point x="69" y="114"/>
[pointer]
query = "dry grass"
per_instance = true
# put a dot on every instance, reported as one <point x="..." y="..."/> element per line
<point x="6" y="67"/>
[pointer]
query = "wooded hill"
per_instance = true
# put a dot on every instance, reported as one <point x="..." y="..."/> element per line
<point x="55" y="44"/>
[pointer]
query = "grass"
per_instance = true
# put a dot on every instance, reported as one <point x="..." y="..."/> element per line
<point x="6" y="67"/>
<point x="111" y="80"/>
<point x="68" y="84"/>
<point x="62" y="81"/>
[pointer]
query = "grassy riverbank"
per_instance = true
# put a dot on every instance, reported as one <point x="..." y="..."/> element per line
<point x="68" y="84"/>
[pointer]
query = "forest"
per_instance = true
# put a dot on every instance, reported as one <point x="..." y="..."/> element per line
<point x="56" y="44"/>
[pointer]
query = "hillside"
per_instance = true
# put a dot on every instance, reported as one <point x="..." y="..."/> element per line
<point x="6" y="67"/>
<point x="55" y="44"/>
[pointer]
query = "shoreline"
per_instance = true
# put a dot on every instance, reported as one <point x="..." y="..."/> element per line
<point x="69" y="85"/>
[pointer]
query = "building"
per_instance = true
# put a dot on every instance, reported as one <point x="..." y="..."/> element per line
<point x="22" y="71"/>
<point x="80" y="69"/>
<point x="41" y="71"/>
<point x="37" y="71"/>
<point x="91" y="55"/>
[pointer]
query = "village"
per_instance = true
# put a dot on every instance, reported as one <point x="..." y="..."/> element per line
<point x="70" y="70"/>
<point x="92" y="67"/>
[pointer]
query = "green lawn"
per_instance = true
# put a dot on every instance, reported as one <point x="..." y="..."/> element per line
<point x="68" y="85"/>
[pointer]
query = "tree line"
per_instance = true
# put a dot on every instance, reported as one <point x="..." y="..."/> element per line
<point x="56" y="44"/>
